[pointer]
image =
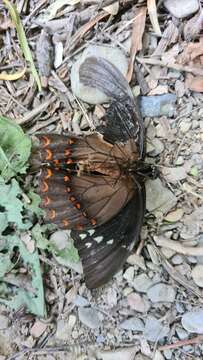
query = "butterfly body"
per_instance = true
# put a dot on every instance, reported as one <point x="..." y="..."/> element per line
<point x="94" y="185"/>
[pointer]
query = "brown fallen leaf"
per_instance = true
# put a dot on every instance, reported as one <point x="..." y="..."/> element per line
<point x="152" y="11"/>
<point x="137" y="33"/>
<point x="169" y="37"/>
<point x="12" y="77"/>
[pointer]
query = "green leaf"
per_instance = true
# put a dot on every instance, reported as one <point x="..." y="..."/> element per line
<point x="194" y="171"/>
<point x="23" y="40"/>
<point x="33" y="300"/>
<point x="15" y="148"/>
<point x="10" y="203"/>
<point x="34" y="206"/>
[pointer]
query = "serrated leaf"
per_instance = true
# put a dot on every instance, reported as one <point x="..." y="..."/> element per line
<point x="15" y="148"/>
<point x="34" y="301"/>
<point x="10" y="203"/>
<point x="34" y="206"/>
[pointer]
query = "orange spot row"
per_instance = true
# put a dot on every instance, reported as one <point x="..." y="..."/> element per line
<point x="49" y="174"/>
<point x="46" y="141"/>
<point x="49" y="154"/>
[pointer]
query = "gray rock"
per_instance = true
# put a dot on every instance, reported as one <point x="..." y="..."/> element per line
<point x="182" y="334"/>
<point x="168" y="354"/>
<point x="158" y="197"/>
<point x="64" y="328"/>
<point x="155" y="148"/>
<point x="154" y="329"/>
<point x="158" y="105"/>
<point x="89" y="317"/>
<point x="197" y="275"/>
<point x="192" y="321"/>
<point x="142" y="283"/>
<point x="81" y="301"/>
<point x="133" y="323"/>
<point x="161" y="293"/>
<point x="4" y="322"/>
<point x="86" y="93"/>
<point x="181" y="8"/>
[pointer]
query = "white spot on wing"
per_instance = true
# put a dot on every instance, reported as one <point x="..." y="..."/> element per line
<point x="88" y="245"/>
<point x="109" y="242"/>
<point x="83" y="236"/>
<point x="91" y="232"/>
<point x="98" y="239"/>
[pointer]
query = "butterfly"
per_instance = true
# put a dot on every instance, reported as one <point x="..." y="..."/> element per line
<point x="94" y="185"/>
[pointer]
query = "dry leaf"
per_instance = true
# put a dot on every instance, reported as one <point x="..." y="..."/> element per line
<point x="12" y="77"/>
<point x="152" y="10"/>
<point x="193" y="27"/>
<point x="137" y="33"/>
<point x="86" y="27"/>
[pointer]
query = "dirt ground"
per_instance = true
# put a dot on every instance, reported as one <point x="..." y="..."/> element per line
<point x="151" y="309"/>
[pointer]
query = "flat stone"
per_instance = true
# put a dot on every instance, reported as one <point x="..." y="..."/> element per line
<point x="37" y="329"/>
<point x="192" y="321"/>
<point x="81" y="301"/>
<point x="158" y="197"/>
<point x="118" y="354"/>
<point x="137" y="303"/>
<point x="174" y="216"/>
<point x="181" y="8"/>
<point x="161" y="293"/>
<point x="142" y="283"/>
<point x="129" y="274"/>
<point x="175" y="174"/>
<point x="89" y="94"/>
<point x="64" y="328"/>
<point x="155" y="330"/>
<point x="133" y="323"/>
<point x="89" y="317"/>
<point x="197" y="275"/>
<point x="4" y="322"/>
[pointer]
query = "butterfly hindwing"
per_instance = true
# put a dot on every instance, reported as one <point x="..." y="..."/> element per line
<point x="104" y="250"/>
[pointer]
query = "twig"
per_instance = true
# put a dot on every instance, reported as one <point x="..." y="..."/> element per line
<point x="196" y="340"/>
<point x="196" y="70"/>
<point x="31" y="114"/>
<point x="178" y="247"/>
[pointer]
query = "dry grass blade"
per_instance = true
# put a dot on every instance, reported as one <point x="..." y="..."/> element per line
<point x="195" y="340"/>
<point x="12" y="77"/>
<point x="137" y="33"/>
<point x="152" y="10"/>
<point x="22" y="39"/>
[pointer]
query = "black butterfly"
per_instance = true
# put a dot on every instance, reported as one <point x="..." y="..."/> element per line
<point x="94" y="185"/>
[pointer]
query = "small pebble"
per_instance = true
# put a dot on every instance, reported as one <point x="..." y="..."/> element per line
<point x="177" y="259"/>
<point x="4" y="322"/>
<point x="174" y="216"/>
<point x="168" y="354"/>
<point x="136" y="302"/>
<point x="158" y="197"/>
<point x="182" y="334"/>
<point x="89" y="317"/>
<point x="81" y="301"/>
<point x="155" y="330"/>
<point x="129" y="274"/>
<point x="161" y="293"/>
<point x="133" y="323"/>
<point x="142" y="283"/>
<point x="192" y="321"/>
<point x="158" y="105"/>
<point x="197" y="275"/>
<point x="181" y="8"/>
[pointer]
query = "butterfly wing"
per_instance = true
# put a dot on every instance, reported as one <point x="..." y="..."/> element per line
<point x="104" y="250"/>
<point x="123" y="120"/>
<point x="71" y="197"/>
